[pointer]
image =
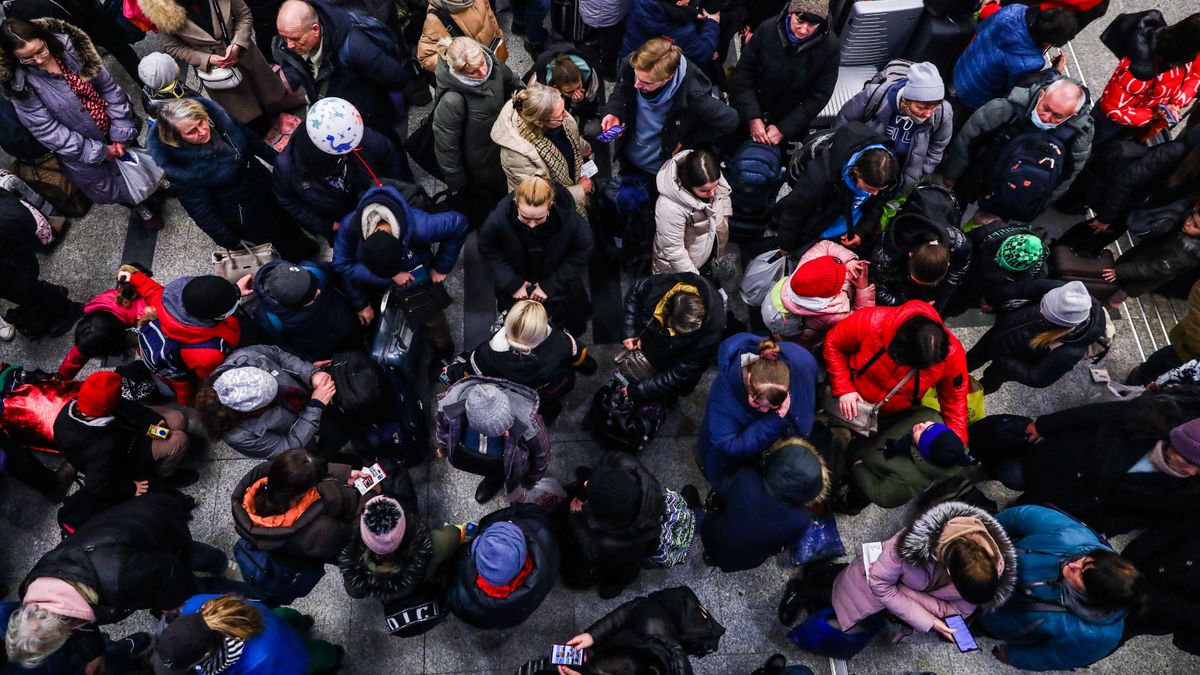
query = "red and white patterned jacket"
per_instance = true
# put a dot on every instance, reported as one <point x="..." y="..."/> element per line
<point x="1130" y="101"/>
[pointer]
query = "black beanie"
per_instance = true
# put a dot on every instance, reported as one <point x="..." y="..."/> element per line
<point x="383" y="255"/>
<point x="314" y="161"/>
<point x="291" y="285"/>
<point x="794" y="474"/>
<point x="209" y="297"/>
<point x="613" y="494"/>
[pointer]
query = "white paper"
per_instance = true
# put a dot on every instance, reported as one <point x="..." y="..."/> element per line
<point x="375" y="474"/>
<point x="871" y="552"/>
<point x="589" y="169"/>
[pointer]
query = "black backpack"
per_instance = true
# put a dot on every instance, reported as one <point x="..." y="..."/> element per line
<point x="1028" y="167"/>
<point x="816" y="145"/>
<point x="385" y="412"/>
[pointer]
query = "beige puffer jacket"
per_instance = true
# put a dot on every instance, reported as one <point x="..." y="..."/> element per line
<point x="520" y="160"/>
<point x="477" y="20"/>
<point x="687" y="227"/>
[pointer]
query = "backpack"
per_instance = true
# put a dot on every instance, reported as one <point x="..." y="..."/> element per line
<point x="271" y="582"/>
<point x="377" y="32"/>
<point x="163" y="355"/>
<point x="755" y="174"/>
<point x="893" y="72"/>
<point x="816" y="145"/>
<point x="1030" y="165"/>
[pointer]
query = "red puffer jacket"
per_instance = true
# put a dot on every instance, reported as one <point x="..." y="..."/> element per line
<point x="868" y="331"/>
<point x="1130" y="101"/>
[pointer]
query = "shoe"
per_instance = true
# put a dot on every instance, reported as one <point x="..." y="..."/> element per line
<point x="7" y="331"/>
<point x="691" y="497"/>
<point x="793" y="600"/>
<point x="147" y="218"/>
<point x="534" y="48"/>
<point x="66" y="321"/>
<point x="181" y="478"/>
<point x="488" y="487"/>
<point x="773" y="666"/>
<point x="137" y="644"/>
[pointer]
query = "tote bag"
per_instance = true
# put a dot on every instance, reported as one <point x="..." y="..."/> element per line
<point x="141" y="173"/>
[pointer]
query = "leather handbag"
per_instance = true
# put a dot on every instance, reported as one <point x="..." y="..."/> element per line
<point x="866" y="422"/>
<point x="233" y="264"/>
<point x="634" y="365"/>
<point x="219" y="79"/>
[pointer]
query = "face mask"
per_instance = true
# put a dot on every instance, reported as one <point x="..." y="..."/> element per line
<point x="1037" y="121"/>
<point x="228" y="314"/>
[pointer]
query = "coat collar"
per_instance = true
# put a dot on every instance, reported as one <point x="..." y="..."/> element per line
<point x="76" y="44"/>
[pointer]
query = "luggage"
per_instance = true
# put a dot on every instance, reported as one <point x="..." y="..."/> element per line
<point x="386" y="414"/>
<point x="397" y="341"/>
<point x="566" y="22"/>
<point x="821" y="541"/>
<point x="271" y="582"/>
<point x="45" y="175"/>
<point x="621" y="424"/>
<point x="421" y="302"/>
<point x="941" y="40"/>
<point x="1026" y="173"/>
<point x="755" y="173"/>
<point x="1070" y="265"/>
<point x="163" y="354"/>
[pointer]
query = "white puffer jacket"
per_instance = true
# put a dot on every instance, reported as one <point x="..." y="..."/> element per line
<point x="687" y="227"/>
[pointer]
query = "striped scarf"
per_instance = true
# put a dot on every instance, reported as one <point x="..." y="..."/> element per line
<point x="224" y="659"/>
<point x="554" y="160"/>
<point x="92" y="101"/>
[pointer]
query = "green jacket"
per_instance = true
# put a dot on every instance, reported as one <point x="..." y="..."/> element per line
<point x="462" y="126"/>
<point x="895" y="481"/>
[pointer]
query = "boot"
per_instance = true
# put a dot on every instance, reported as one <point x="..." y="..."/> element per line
<point x="488" y="487"/>
<point x="792" y="601"/>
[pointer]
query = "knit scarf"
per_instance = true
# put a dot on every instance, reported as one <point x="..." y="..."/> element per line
<point x="503" y="591"/>
<point x="555" y="162"/>
<point x="95" y="104"/>
<point x="225" y="658"/>
<point x="1158" y="460"/>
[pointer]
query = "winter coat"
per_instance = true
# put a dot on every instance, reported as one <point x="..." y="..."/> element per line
<point x="751" y="526"/>
<point x="178" y="324"/>
<point x="316" y="204"/>
<point x="267" y="433"/>
<point x="688" y="230"/>
<point x="548" y="369"/>
<point x="421" y="231"/>
<point x="976" y="147"/>
<point x="986" y="278"/>
<point x="1185" y="336"/>
<point x="353" y="67"/>
<point x="890" y="482"/>
<point x="277" y="650"/>
<point x="568" y="249"/>
<point x="227" y="192"/>
<point x="1082" y="467"/>
<point x="1049" y="639"/>
<point x="1167" y="555"/>
<point x="113" y="455"/>
<point x="733" y="434"/>
<point x="187" y="41"/>
<point x="656" y="623"/>
<point x="520" y="158"/>
<point x="74" y="361"/>
<point x="807" y="327"/>
<point x="317" y="535"/>
<point x="1132" y="176"/>
<point x="603" y="13"/>
<point x="317" y="330"/>
<point x="1002" y="53"/>
<point x="696" y="38"/>
<point x="462" y="126"/>
<point x="928" y="141"/>
<point x="527" y="446"/>
<point x="52" y="112"/>
<point x="821" y="195"/>
<point x="606" y="553"/>
<point x="866" y="334"/>
<point x="469" y="603"/>
<point x="1155" y="262"/>
<point x="910" y="581"/>
<point x="784" y="84"/>
<point x="477" y="21"/>
<point x="907" y="231"/>
<point x="593" y="84"/>
<point x="679" y="361"/>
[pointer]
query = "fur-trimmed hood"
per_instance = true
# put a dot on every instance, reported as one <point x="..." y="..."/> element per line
<point x="79" y="51"/>
<point x="168" y="15"/>
<point x="918" y="543"/>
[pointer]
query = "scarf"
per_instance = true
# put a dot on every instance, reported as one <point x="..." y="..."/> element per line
<point x="61" y="598"/>
<point x="95" y="104"/>
<point x="974" y="529"/>
<point x="473" y="82"/>
<point x="225" y="658"/>
<point x="660" y="310"/>
<point x="501" y="592"/>
<point x="1158" y="460"/>
<point x="555" y="163"/>
<point x="285" y="519"/>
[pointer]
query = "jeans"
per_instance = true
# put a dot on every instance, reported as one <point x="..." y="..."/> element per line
<point x="531" y="15"/>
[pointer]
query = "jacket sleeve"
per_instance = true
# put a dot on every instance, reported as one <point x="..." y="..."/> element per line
<point x="56" y="136"/>
<point x="635" y="301"/>
<point x="939" y="140"/>
<point x="124" y="127"/>
<point x="618" y="101"/>
<point x="885" y="581"/>
<point x="72" y="363"/>
<point x="1079" y="418"/>
<point x="1081" y="149"/>
<point x="979" y="125"/>
<point x="889" y="279"/>
<point x="182" y="51"/>
<point x="1023" y="521"/>
<point x="295" y="205"/>
<point x="348" y="288"/>
<point x="1040" y="373"/>
<point x="449" y="231"/>
<point x="575" y="265"/>
<point x="504" y="275"/>
<point x="609" y="624"/>
<point x="792" y="212"/>
<point x="1131" y="181"/>
<point x="243" y="24"/>
<point x="699" y="45"/>
<point x="841" y="342"/>
<point x="744" y="86"/>
<point x="200" y="204"/>
<point x="744" y="442"/>
<point x="271" y="444"/>
<point x="1071" y="648"/>
<point x="884" y="488"/>
<point x="106" y="478"/>
<point x="345" y="257"/>
<point x="854" y="110"/>
<point x="952" y="391"/>
<point x="1118" y="103"/>
<point x="819" y="92"/>
<point x="669" y="231"/>
<point x="717" y="120"/>
<point x="449" y="120"/>
<point x="375" y="64"/>
<point x="538" y="447"/>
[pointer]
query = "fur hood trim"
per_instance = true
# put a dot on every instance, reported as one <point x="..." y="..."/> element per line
<point x="167" y="15"/>
<point x="919" y="541"/>
<point x="90" y="64"/>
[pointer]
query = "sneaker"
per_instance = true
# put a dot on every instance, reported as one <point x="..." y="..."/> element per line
<point x="7" y="331"/>
<point x="792" y="601"/>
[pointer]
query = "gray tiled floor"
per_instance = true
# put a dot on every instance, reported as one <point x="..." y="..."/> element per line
<point x="743" y="602"/>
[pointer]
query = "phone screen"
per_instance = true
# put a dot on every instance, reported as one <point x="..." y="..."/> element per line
<point x="565" y="655"/>
<point x="962" y="636"/>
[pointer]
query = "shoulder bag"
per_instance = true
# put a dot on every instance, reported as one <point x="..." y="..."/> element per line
<point x="866" y="422"/>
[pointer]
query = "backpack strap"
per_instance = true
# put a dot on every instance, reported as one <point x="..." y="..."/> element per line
<point x="276" y="324"/>
<point x="447" y="21"/>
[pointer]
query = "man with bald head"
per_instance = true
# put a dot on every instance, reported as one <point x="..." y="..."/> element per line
<point x="328" y="51"/>
<point x="1045" y="126"/>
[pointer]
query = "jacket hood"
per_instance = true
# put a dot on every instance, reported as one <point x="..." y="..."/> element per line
<point x="543" y="68"/>
<point x="506" y="132"/>
<point x="167" y="15"/>
<point x="409" y="576"/>
<point x="909" y="310"/>
<point x="75" y="42"/>
<point x="918" y="544"/>
<point x="196" y="164"/>
<point x="335" y="25"/>
<point x="444" y="78"/>
<point x="383" y="203"/>
<point x="1131" y="36"/>
<point x="1024" y="98"/>
<point x="522" y="399"/>
<point x="849" y="138"/>
<point x="934" y="216"/>
<point x="670" y="188"/>
<point x="272" y="538"/>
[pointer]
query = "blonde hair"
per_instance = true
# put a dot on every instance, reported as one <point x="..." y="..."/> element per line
<point x="658" y="56"/>
<point x="769" y="376"/>
<point x="1047" y="337"/>
<point x="174" y="113"/>
<point x="534" y="191"/>
<point x="34" y="633"/>
<point x="233" y="617"/>
<point x="535" y="104"/>
<point x="460" y="52"/>
<point x="526" y="325"/>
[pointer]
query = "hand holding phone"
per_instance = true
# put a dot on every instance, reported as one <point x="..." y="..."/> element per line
<point x="612" y="133"/>
<point x="962" y="635"/>
<point x="566" y="655"/>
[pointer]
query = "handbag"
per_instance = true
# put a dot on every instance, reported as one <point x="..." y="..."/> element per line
<point x="220" y="78"/>
<point x="421" y="144"/>
<point x="141" y="173"/>
<point x="821" y="541"/>
<point x="233" y="264"/>
<point x="634" y="365"/>
<point x="422" y="301"/>
<point x="866" y="422"/>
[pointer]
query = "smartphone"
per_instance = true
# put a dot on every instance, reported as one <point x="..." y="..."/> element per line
<point x="962" y="636"/>
<point x="375" y="474"/>
<point x="613" y="132"/>
<point x="566" y="655"/>
<point x="1172" y="120"/>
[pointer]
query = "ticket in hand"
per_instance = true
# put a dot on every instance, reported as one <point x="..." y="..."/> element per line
<point x="375" y="474"/>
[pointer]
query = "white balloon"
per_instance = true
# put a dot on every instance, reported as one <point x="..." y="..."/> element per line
<point x="334" y="125"/>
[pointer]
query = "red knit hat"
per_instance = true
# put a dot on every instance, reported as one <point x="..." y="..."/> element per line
<point x="100" y="394"/>
<point x="819" y="278"/>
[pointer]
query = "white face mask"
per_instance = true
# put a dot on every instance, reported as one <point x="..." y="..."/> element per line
<point x="1037" y="121"/>
<point x="228" y="314"/>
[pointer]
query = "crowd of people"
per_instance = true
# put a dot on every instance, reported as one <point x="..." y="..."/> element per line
<point x="637" y="142"/>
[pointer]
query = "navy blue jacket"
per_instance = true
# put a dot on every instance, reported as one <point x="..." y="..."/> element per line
<point x="1002" y="53"/>
<point x="660" y="18"/>
<point x="318" y="330"/>
<point x="751" y="526"/>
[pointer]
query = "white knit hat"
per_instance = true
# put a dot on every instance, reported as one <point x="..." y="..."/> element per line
<point x="246" y="389"/>
<point x="924" y="84"/>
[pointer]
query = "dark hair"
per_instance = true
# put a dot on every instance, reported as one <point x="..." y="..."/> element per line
<point x="101" y="333"/>
<point x="685" y="312"/>
<point x="1149" y="418"/>
<point x="1112" y="582"/>
<point x="1178" y="43"/>
<point x="928" y="262"/>
<point x="624" y="660"/>
<point x="919" y="343"/>
<point x="877" y="168"/>
<point x="16" y="32"/>
<point x="1051" y="26"/>
<point x="291" y="474"/>
<point x="972" y="571"/>
<point x="699" y="168"/>
<point x="564" y="71"/>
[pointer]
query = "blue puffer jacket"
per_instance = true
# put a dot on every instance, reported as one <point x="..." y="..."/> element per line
<point x="751" y="525"/>
<point x="1041" y="639"/>
<point x="420" y="231"/>
<point x="278" y="650"/>
<point x="1001" y="54"/>
<point x="317" y="330"/>
<point x="661" y="18"/>
<point x="734" y="434"/>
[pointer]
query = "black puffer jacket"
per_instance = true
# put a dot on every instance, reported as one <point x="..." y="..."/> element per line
<point x="986" y="277"/>
<point x="599" y="552"/>
<point x="930" y="214"/>
<point x="1157" y="262"/>
<point x="1132" y="176"/>
<point x="784" y="84"/>
<point x="679" y="360"/>
<point x="1168" y="554"/>
<point x="669" y="624"/>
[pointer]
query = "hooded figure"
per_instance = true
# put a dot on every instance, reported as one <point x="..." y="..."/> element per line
<point x="1002" y="253"/>
<point x="309" y="309"/>
<point x="819" y="294"/>
<point x="930" y="216"/>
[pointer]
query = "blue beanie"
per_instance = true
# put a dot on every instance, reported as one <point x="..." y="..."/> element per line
<point x="500" y="553"/>
<point x="940" y="446"/>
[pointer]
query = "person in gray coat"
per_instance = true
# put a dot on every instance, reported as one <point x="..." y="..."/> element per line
<point x="51" y="72"/>
<point x="263" y="401"/>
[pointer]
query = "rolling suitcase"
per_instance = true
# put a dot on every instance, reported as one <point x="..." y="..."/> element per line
<point x="566" y="21"/>
<point x="940" y="40"/>
<point x="1070" y="265"/>
<point x="398" y="340"/>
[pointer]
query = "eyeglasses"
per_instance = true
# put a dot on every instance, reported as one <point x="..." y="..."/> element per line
<point x="36" y="58"/>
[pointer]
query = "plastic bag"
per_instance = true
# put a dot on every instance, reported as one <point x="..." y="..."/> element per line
<point x="820" y="541"/>
<point x="141" y="173"/>
<point x="762" y="273"/>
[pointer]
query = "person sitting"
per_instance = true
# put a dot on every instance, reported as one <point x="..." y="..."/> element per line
<point x="309" y="309"/>
<point x="691" y="215"/>
<point x="1183" y="345"/>
<point x="104" y="329"/>
<point x="923" y="255"/>
<point x="675" y="320"/>
<point x="42" y="309"/>
<point x="829" y="283"/>
<point x="763" y="392"/>
<point x="1162" y="553"/>
<point x="1072" y="596"/>
<point x="452" y="18"/>
<point x="910" y="109"/>
<point x="1166" y="264"/>
<point x="695" y="33"/>
<point x="568" y="70"/>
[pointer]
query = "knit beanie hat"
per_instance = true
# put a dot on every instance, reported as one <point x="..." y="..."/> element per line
<point x="613" y="494"/>
<point x="814" y="7"/>
<point x="184" y="643"/>
<point x="209" y="297"/>
<point x="158" y="71"/>
<point x="1068" y="305"/>
<point x="794" y="474"/>
<point x="100" y="394"/>
<point x="819" y="278"/>
<point x="924" y="83"/>
<point x="941" y="447"/>
<point x="291" y="285"/>
<point x="382" y="525"/>
<point x="383" y="255"/>
<point x="500" y="553"/>
<point x="488" y="410"/>
<point x="246" y="389"/>
<point x="1185" y="438"/>
<point x="1019" y="252"/>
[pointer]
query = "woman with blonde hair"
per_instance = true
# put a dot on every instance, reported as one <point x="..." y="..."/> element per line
<point x="468" y="18"/>
<point x="763" y="392"/>
<point x="538" y="137"/>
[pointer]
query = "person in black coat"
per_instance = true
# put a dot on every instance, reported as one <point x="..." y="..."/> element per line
<point x="537" y="246"/>
<point x="42" y="309"/>
<point x="787" y="72"/>
<point x="1168" y="556"/>
<point x="923" y="255"/>
<point x="566" y="68"/>
<point x="502" y="577"/>
<point x="309" y="309"/>
<point x="676" y="320"/>
<point x="615" y="523"/>
<point x="1002" y="253"/>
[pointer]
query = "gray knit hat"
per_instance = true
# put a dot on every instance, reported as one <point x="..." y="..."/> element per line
<point x="488" y="410"/>
<point x="924" y="84"/>
<point x="246" y="389"/>
<point x="1068" y="305"/>
<point x="291" y="285"/>
<point x="158" y="70"/>
<point x="814" y="7"/>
